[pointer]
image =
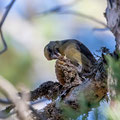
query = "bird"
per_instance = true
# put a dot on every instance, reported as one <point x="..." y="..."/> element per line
<point x="72" y="49"/>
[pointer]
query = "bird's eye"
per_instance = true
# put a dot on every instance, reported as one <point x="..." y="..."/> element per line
<point x="50" y="50"/>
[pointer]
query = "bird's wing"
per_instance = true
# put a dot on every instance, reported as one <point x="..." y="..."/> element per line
<point x="77" y="57"/>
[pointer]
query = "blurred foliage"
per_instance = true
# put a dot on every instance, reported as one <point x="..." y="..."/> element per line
<point x="15" y="63"/>
<point x="114" y="108"/>
<point x="114" y="64"/>
<point x="75" y="113"/>
<point x="113" y="111"/>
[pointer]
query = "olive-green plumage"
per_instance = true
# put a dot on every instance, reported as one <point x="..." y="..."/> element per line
<point x="73" y="49"/>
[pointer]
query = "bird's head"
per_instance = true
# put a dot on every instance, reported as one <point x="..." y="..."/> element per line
<point x="51" y="50"/>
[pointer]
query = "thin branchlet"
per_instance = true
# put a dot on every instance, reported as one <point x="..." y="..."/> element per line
<point x="61" y="9"/>
<point x="3" y="41"/>
<point x="1" y="24"/>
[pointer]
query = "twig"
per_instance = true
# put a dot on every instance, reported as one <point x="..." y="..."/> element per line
<point x="4" y="43"/>
<point x="1" y="24"/>
<point x="4" y="115"/>
<point x="7" y="111"/>
<point x="6" y="12"/>
<point x="5" y="101"/>
<point x="61" y="10"/>
<point x="100" y="29"/>
<point x="84" y="16"/>
<point x="58" y="8"/>
<point x="12" y="94"/>
<point x="10" y="110"/>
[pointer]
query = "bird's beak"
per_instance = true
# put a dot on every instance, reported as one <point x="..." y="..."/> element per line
<point x="56" y="55"/>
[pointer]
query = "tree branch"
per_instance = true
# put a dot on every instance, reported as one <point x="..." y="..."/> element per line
<point x="75" y="98"/>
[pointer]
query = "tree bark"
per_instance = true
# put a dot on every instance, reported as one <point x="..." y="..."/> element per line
<point x="113" y="19"/>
